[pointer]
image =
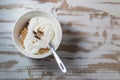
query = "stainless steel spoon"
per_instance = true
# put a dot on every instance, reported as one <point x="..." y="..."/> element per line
<point x="58" y="60"/>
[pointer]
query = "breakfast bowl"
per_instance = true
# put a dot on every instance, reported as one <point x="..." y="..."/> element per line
<point x="33" y="31"/>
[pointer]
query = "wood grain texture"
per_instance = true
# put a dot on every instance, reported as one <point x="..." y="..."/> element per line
<point x="90" y="46"/>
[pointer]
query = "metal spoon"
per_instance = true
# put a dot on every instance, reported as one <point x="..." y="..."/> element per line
<point x="58" y="60"/>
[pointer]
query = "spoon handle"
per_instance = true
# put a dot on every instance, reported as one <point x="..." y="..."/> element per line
<point x="59" y="61"/>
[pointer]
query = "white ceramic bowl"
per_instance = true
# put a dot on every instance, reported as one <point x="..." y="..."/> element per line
<point x="20" y="23"/>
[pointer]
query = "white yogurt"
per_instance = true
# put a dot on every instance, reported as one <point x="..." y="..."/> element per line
<point x="47" y="27"/>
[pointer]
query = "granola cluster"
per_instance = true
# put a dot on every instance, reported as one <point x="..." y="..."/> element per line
<point x="42" y="51"/>
<point x="23" y="34"/>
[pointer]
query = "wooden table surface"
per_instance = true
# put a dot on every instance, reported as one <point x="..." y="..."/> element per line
<point x="90" y="46"/>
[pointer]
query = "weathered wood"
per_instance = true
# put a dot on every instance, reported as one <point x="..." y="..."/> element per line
<point x="90" y="45"/>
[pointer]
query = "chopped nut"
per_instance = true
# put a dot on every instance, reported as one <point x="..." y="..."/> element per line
<point x="40" y="32"/>
<point x="33" y="42"/>
<point x="34" y="32"/>
<point x="37" y="37"/>
<point x="27" y="23"/>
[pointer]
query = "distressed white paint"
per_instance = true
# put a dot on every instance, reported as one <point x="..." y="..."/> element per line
<point x="76" y="60"/>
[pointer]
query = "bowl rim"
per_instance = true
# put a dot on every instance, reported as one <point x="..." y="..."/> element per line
<point x="25" y="52"/>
